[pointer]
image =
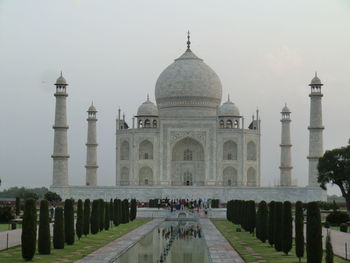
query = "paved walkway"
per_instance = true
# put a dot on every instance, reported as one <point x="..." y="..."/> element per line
<point x="339" y="239"/>
<point x="220" y="250"/>
<point x="120" y="245"/>
<point x="13" y="236"/>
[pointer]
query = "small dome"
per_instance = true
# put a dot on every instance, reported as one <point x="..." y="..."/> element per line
<point x="229" y="109"/>
<point x="316" y="80"/>
<point x="61" y="80"/>
<point x="92" y="108"/>
<point x="147" y="109"/>
<point x="285" y="109"/>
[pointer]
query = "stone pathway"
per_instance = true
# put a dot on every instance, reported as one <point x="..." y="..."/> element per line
<point x="220" y="250"/>
<point x="339" y="239"/>
<point x="120" y="245"/>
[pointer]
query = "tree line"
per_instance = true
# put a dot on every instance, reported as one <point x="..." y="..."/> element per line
<point x="90" y="218"/>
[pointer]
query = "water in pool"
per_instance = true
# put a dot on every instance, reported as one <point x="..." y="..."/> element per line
<point x="170" y="242"/>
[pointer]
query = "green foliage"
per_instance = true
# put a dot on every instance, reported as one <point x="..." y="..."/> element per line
<point x="95" y="219"/>
<point x="107" y="215"/>
<point x="271" y="228"/>
<point x="278" y="226"/>
<point x="6" y="214"/>
<point x="101" y="207"/>
<point x="251" y="216"/>
<point x="69" y="232"/>
<point x="28" y="237"/>
<point x="111" y="210"/>
<point x="52" y="197"/>
<point x="44" y="241"/>
<point x="337" y="217"/>
<point x="18" y="205"/>
<point x="299" y="230"/>
<point x="334" y="168"/>
<point x="79" y="225"/>
<point x="215" y="203"/>
<point x="133" y="209"/>
<point x="313" y="234"/>
<point x="343" y="227"/>
<point x="24" y="193"/>
<point x="287" y="232"/>
<point x="58" y="229"/>
<point x="86" y="220"/>
<point x="125" y="212"/>
<point x="329" y="249"/>
<point x="262" y="222"/>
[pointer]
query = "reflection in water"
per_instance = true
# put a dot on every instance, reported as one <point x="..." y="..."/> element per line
<point x="171" y="242"/>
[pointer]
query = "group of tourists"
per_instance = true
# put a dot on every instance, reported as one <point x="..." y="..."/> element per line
<point x="182" y="204"/>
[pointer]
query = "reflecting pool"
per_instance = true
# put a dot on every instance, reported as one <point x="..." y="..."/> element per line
<point x="170" y="242"/>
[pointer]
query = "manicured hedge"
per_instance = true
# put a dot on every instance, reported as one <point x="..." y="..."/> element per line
<point x="28" y="236"/>
<point x="58" y="229"/>
<point x="44" y="239"/>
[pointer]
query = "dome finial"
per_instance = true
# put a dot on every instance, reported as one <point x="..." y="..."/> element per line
<point x="188" y="40"/>
<point x="315" y="73"/>
<point x="228" y="97"/>
<point x="147" y="97"/>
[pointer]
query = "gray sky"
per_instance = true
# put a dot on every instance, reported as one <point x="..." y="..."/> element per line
<point x="112" y="52"/>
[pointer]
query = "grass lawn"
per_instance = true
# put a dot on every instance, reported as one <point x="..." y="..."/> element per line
<point x="5" y="227"/>
<point x="81" y="248"/>
<point x="253" y="250"/>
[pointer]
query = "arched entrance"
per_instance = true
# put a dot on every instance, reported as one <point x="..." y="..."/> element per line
<point x="187" y="163"/>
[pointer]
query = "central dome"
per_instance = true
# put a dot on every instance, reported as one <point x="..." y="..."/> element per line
<point x="188" y="82"/>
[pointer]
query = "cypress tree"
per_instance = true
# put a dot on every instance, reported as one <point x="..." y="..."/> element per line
<point x="115" y="212"/>
<point x="86" y="221"/>
<point x="125" y="212"/>
<point x="313" y="234"/>
<point x="329" y="249"/>
<point x="101" y="208"/>
<point x="79" y="225"/>
<point x="133" y="209"/>
<point x="18" y="206"/>
<point x="271" y="224"/>
<point x="44" y="240"/>
<point x="58" y="229"/>
<point x="299" y="230"/>
<point x="287" y="232"/>
<point x="69" y="221"/>
<point x="262" y="221"/>
<point x="107" y="220"/>
<point x="119" y="212"/>
<point x="278" y="226"/>
<point x="95" y="225"/>
<point x="28" y="236"/>
<point x="111" y="210"/>
<point x="251" y="216"/>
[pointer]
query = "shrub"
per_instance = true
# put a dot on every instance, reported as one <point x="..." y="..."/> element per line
<point x="299" y="230"/>
<point x="329" y="249"/>
<point x="6" y="214"/>
<point x="262" y="221"/>
<point x="337" y="217"/>
<point x="69" y="232"/>
<point x="111" y="210"/>
<point x="271" y="228"/>
<point x="133" y="209"/>
<point x="287" y="232"/>
<point x="58" y="229"/>
<point x="86" y="221"/>
<point x="79" y="225"/>
<point x="52" y="197"/>
<point x="28" y="236"/>
<point x="215" y="203"/>
<point x="125" y="211"/>
<point x="119" y="212"/>
<point x="44" y="240"/>
<point x="278" y="231"/>
<point x="101" y="208"/>
<point x="327" y="224"/>
<point x="313" y="234"/>
<point x="251" y="216"/>
<point x="343" y="227"/>
<point x="95" y="224"/>
<point x="107" y="221"/>
<point x="18" y="205"/>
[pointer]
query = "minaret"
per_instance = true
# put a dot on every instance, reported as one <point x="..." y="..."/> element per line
<point x="91" y="148"/>
<point x="60" y="149"/>
<point x="286" y="147"/>
<point x="315" y="130"/>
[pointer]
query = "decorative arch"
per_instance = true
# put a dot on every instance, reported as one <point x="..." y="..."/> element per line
<point x="146" y="150"/>
<point x="147" y="123"/>
<point x="230" y="150"/>
<point x="229" y="124"/>
<point x="188" y="147"/>
<point x="146" y="176"/>
<point x="229" y="176"/>
<point x="251" y="177"/>
<point x="155" y="124"/>
<point x="222" y="124"/>
<point x="124" y="176"/>
<point x="140" y="124"/>
<point x="251" y="151"/>
<point x="125" y="151"/>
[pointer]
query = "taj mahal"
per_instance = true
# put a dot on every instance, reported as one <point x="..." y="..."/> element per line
<point x="188" y="144"/>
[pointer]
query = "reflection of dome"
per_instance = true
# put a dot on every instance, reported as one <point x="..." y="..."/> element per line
<point x="188" y="82"/>
<point x="147" y="109"/>
<point x="61" y="80"/>
<point x="228" y="109"/>
<point x="316" y="80"/>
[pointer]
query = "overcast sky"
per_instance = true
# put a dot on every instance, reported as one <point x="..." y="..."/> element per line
<point x="112" y="52"/>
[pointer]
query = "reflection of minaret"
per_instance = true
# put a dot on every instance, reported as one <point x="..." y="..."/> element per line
<point x="91" y="148"/>
<point x="286" y="146"/>
<point x="60" y="149"/>
<point x="315" y="129"/>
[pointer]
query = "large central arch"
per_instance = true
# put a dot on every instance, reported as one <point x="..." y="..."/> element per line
<point x="187" y="158"/>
